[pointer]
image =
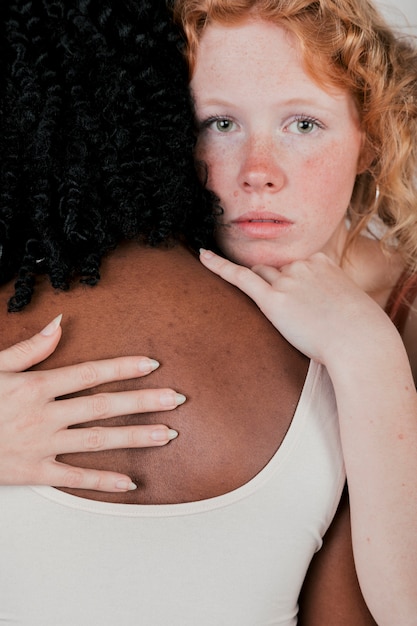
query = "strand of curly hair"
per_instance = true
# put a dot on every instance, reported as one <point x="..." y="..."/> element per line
<point x="96" y="137"/>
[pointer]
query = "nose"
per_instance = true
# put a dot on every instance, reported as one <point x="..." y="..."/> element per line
<point x="260" y="171"/>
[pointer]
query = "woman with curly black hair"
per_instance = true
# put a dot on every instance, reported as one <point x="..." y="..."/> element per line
<point x="100" y="213"/>
<point x="93" y="104"/>
<point x="96" y="138"/>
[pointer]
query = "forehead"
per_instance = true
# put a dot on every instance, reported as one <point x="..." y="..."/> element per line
<point x="254" y="50"/>
<point x="250" y="41"/>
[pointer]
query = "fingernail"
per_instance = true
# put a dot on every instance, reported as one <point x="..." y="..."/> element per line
<point x="170" y="398"/>
<point x="147" y="365"/>
<point x="52" y="327"/>
<point x="125" y="485"/>
<point x="163" y="435"/>
<point x="206" y="253"/>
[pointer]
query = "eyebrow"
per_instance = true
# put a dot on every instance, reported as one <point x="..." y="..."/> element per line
<point x="291" y="102"/>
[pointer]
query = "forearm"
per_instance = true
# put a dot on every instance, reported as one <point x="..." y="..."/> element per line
<point x="377" y="406"/>
<point x="323" y="313"/>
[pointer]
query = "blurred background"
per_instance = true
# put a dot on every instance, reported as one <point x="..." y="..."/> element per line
<point x="401" y="13"/>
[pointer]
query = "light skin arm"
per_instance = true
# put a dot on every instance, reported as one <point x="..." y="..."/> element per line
<point x="34" y="427"/>
<point x="319" y="310"/>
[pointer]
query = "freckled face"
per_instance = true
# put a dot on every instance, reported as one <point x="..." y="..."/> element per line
<point x="282" y="153"/>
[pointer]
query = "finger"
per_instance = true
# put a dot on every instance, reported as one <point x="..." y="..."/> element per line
<point x="98" y="438"/>
<point x="105" y="405"/>
<point x="24" y="354"/>
<point x="268" y="273"/>
<point x="61" y="475"/>
<point x="65" y="380"/>
<point x="247" y="281"/>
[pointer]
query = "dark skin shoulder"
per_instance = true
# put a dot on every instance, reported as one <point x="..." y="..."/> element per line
<point x="242" y="380"/>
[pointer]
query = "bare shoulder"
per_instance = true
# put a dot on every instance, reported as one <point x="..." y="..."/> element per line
<point x="383" y="273"/>
<point x="374" y="270"/>
<point x="214" y="346"/>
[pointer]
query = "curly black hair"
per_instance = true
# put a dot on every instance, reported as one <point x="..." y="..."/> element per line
<point x="96" y="138"/>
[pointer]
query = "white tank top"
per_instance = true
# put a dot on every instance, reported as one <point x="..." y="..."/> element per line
<point x="234" y="560"/>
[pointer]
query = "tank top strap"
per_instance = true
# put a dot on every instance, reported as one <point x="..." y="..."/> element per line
<point x="401" y="299"/>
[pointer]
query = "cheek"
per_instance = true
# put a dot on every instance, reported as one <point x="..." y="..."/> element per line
<point x="331" y="180"/>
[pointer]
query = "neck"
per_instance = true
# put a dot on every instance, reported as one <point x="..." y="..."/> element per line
<point x="335" y="248"/>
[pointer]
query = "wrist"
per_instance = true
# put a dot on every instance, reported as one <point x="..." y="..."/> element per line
<point x="367" y="360"/>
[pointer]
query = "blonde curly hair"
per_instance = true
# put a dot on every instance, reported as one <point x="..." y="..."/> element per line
<point x="348" y="44"/>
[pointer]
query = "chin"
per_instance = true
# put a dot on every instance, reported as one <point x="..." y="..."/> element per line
<point x="259" y="258"/>
<point x="258" y="253"/>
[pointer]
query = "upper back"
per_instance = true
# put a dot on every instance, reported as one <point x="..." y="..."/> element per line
<point x="242" y="380"/>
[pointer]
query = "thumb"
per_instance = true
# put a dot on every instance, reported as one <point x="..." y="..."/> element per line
<point x="24" y="354"/>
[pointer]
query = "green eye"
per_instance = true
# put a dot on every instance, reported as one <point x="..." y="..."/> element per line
<point x="224" y="125"/>
<point x="305" y="126"/>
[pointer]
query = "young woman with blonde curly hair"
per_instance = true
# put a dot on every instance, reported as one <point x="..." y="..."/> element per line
<point x="306" y="117"/>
